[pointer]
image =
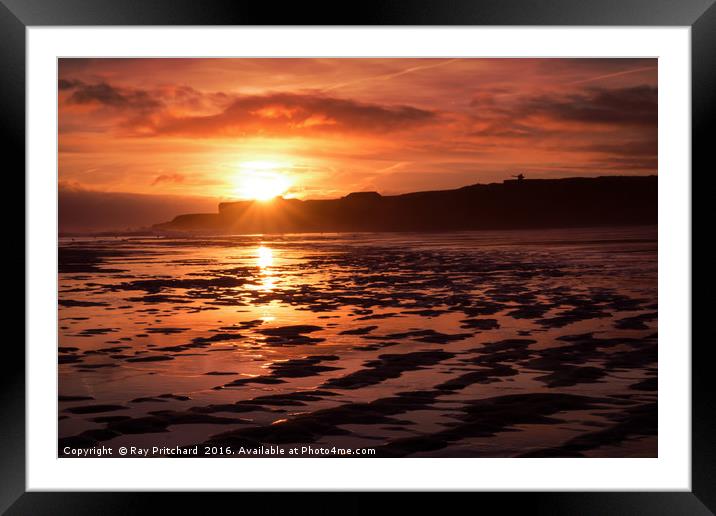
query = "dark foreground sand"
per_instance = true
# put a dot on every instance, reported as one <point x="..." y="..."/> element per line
<point x="480" y="344"/>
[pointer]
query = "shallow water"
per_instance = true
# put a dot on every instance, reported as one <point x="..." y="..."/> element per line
<point x="494" y="344"/>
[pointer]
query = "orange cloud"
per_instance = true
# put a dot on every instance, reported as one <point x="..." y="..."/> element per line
<point x="293" y="113"/>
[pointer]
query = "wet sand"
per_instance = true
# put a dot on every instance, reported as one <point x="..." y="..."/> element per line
<point x="472" y="344"/>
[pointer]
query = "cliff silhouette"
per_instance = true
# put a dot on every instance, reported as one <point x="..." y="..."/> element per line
<point x="512" y="204"/>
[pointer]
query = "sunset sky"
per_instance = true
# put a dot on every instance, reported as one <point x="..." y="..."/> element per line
<point x="195" y="131"/>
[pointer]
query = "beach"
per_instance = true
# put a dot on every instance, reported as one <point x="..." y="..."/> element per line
<point x="535" y="343"/>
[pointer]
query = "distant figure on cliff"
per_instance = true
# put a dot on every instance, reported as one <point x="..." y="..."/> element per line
<point x="520" y="177"/>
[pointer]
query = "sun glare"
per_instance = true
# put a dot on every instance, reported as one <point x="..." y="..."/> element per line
<point x="261" y="180"/>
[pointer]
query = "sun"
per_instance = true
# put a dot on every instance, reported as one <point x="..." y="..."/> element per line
<point x="261" y="180"/>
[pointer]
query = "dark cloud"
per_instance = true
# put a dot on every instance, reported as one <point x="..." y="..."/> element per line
<point x="108" y="95"/>
<point x="616" y="129"/>
<point x="192" y="99"/>
<point x="631" y="106"/>
<point x="68" y="84"/>
<point x="289" y="113"/>
<point x="168" y="178"/>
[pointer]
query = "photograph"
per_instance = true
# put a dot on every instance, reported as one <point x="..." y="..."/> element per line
<point x="385" y="257"/>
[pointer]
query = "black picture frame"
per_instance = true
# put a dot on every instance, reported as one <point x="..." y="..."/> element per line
<point x="17" y="15"/>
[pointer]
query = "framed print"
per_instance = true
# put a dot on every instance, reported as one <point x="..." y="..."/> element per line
<point x="435" y="249"/>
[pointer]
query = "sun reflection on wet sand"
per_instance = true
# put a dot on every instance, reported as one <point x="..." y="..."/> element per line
<point x="264" y="261"/>
<point x="264" y="256"/>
